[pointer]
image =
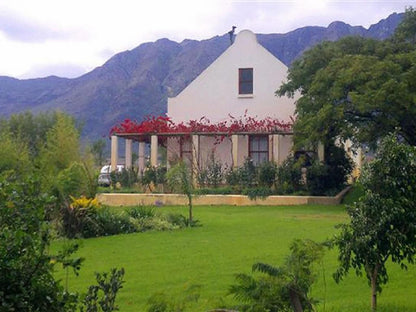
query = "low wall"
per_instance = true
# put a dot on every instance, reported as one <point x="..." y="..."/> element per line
<point x="117" y="199"/>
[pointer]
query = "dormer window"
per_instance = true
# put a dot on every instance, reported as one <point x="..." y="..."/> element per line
<point x="245" y="81"/>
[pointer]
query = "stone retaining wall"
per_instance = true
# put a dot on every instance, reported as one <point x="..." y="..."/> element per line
<point x="118" y="199"/>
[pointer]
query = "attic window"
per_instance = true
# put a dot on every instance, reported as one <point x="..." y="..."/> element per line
<point x="245" y="81"/>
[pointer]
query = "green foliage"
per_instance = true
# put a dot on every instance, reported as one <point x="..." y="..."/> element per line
<point x="126" y="177"/>
<point x="330" y="177"/>
<point x="257" y="192"/>
<point x="383" y="222"/>
<point x="102" y="297"/>
<point x="179" y="178"/>
<point x="281" y="288"/>
<point x="29" y="130"/>
<point x="267" y="174"/>
<point x="289" y="176"/>
<point x="75" y="181"/>
<point x="213" y="174"/>
<point x="154" y="175"/>
<point x="26" y="279"/>
<point x="98" y="151"/>
<point x="356" y="88"/>
<point x="13" y="155"/>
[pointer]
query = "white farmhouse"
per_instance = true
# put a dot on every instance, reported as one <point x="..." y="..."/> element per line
<point x="235" y="95"/>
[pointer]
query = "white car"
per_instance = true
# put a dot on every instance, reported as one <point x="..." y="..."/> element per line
<point x="107" y="168"/>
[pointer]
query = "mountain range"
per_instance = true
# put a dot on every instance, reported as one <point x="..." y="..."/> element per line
<point x="136" y="83"/>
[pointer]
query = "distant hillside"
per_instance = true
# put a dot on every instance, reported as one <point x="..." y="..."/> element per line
<point x="136" y="83"/>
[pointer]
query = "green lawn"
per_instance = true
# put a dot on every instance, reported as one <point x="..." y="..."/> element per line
<point x="229" y="242"/>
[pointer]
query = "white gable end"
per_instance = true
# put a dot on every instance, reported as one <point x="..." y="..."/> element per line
<point x="214" y="94"/>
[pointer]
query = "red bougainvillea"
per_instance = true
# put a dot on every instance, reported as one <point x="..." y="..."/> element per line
<point x="164" y="125"/>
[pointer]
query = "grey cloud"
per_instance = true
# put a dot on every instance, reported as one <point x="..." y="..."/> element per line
<point x="19" y="29"/>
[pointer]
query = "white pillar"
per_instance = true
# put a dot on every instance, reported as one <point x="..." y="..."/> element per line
<point x="234" y="142"/>
<point x="114" y="152"/>
<point x="128" y="154"/>
<point x="153" y="150"/>
<point x="276" y="149"/>
<point x="141" y="160"/>
<point x="195" y="158"/>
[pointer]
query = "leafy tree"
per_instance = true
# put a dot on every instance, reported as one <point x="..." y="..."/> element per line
<point x="29" y="129"/>
<point x="98" y="150"/>
<point x="179" y="178"/>
<point x="356" y="88"/>
<point x="383" y="222"/>
<point x="281" y="288"/>
<point x="13" y="155"/>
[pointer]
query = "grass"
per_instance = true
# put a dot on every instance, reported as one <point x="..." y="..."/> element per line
<point x="229" y="242"/>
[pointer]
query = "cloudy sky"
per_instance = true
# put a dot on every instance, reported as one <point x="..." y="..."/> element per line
<point x="68" y="38"/>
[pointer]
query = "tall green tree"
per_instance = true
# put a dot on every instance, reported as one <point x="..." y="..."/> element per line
<point x="356" y="88"/>
<point x="382" y="223"/>
<point x="98" y="151"/>
<point x="29" y="129"/>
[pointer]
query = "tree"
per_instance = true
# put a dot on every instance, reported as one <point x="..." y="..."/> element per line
<point x="282" y="288"/>
<point x="356" y="88"/>
<point x="383" y="222"/>
<point x="29" y="129"/>
<point x="98" y="149"/>
<point x="179" y="178"/>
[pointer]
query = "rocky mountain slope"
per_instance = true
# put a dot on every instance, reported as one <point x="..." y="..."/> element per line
<point x="136" y="83"/>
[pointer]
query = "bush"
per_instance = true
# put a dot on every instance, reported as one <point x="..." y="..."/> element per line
<point x="126" y="177"/>
<point x="26" y="268"/>
<point x="257" y="192"/>
<point x="213" y="174"/>
<point x="289" y="176"/>
<point x="267" y="174"/>
<point x="154" y="175"/>
<point x="330" y="177"/>
<point x="78" y="217"/>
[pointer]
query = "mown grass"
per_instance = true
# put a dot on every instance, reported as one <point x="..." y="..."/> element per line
<point x="230" y="240"/>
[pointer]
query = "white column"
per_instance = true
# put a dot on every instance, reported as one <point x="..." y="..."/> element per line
<point x="114" y="152"/>
<point x="195" y="158"/>
<point x="141" y="159"/>
<point x="234" y="142"/>
<point x="153" y="150"/>
<point x="128" y="154"/>
<point x="276" y="149"/>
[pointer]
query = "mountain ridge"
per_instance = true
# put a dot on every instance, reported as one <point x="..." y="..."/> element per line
<point x="137" y="82"/>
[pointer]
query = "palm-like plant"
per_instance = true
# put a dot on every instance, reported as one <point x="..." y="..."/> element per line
<point x="283" y="288"/>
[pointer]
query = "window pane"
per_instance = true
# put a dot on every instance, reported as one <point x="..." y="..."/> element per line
<point x="245" y="81"/>
<point x="263" y="144"/>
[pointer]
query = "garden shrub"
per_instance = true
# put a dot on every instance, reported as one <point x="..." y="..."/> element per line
<point x="102" y="297"/>
<point x="126" y="177"/>
<point x="141" y="212"/>
<point x="267" y="173"/>
<point x="154" y="175"/>
<point x="106" y="223"/>
<point x="79" y="216"/>
<point x="257" y="192"/>
<point x="289" y="176"/>
<point x="213" y="174"/>
<point x="330" y="177"/>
